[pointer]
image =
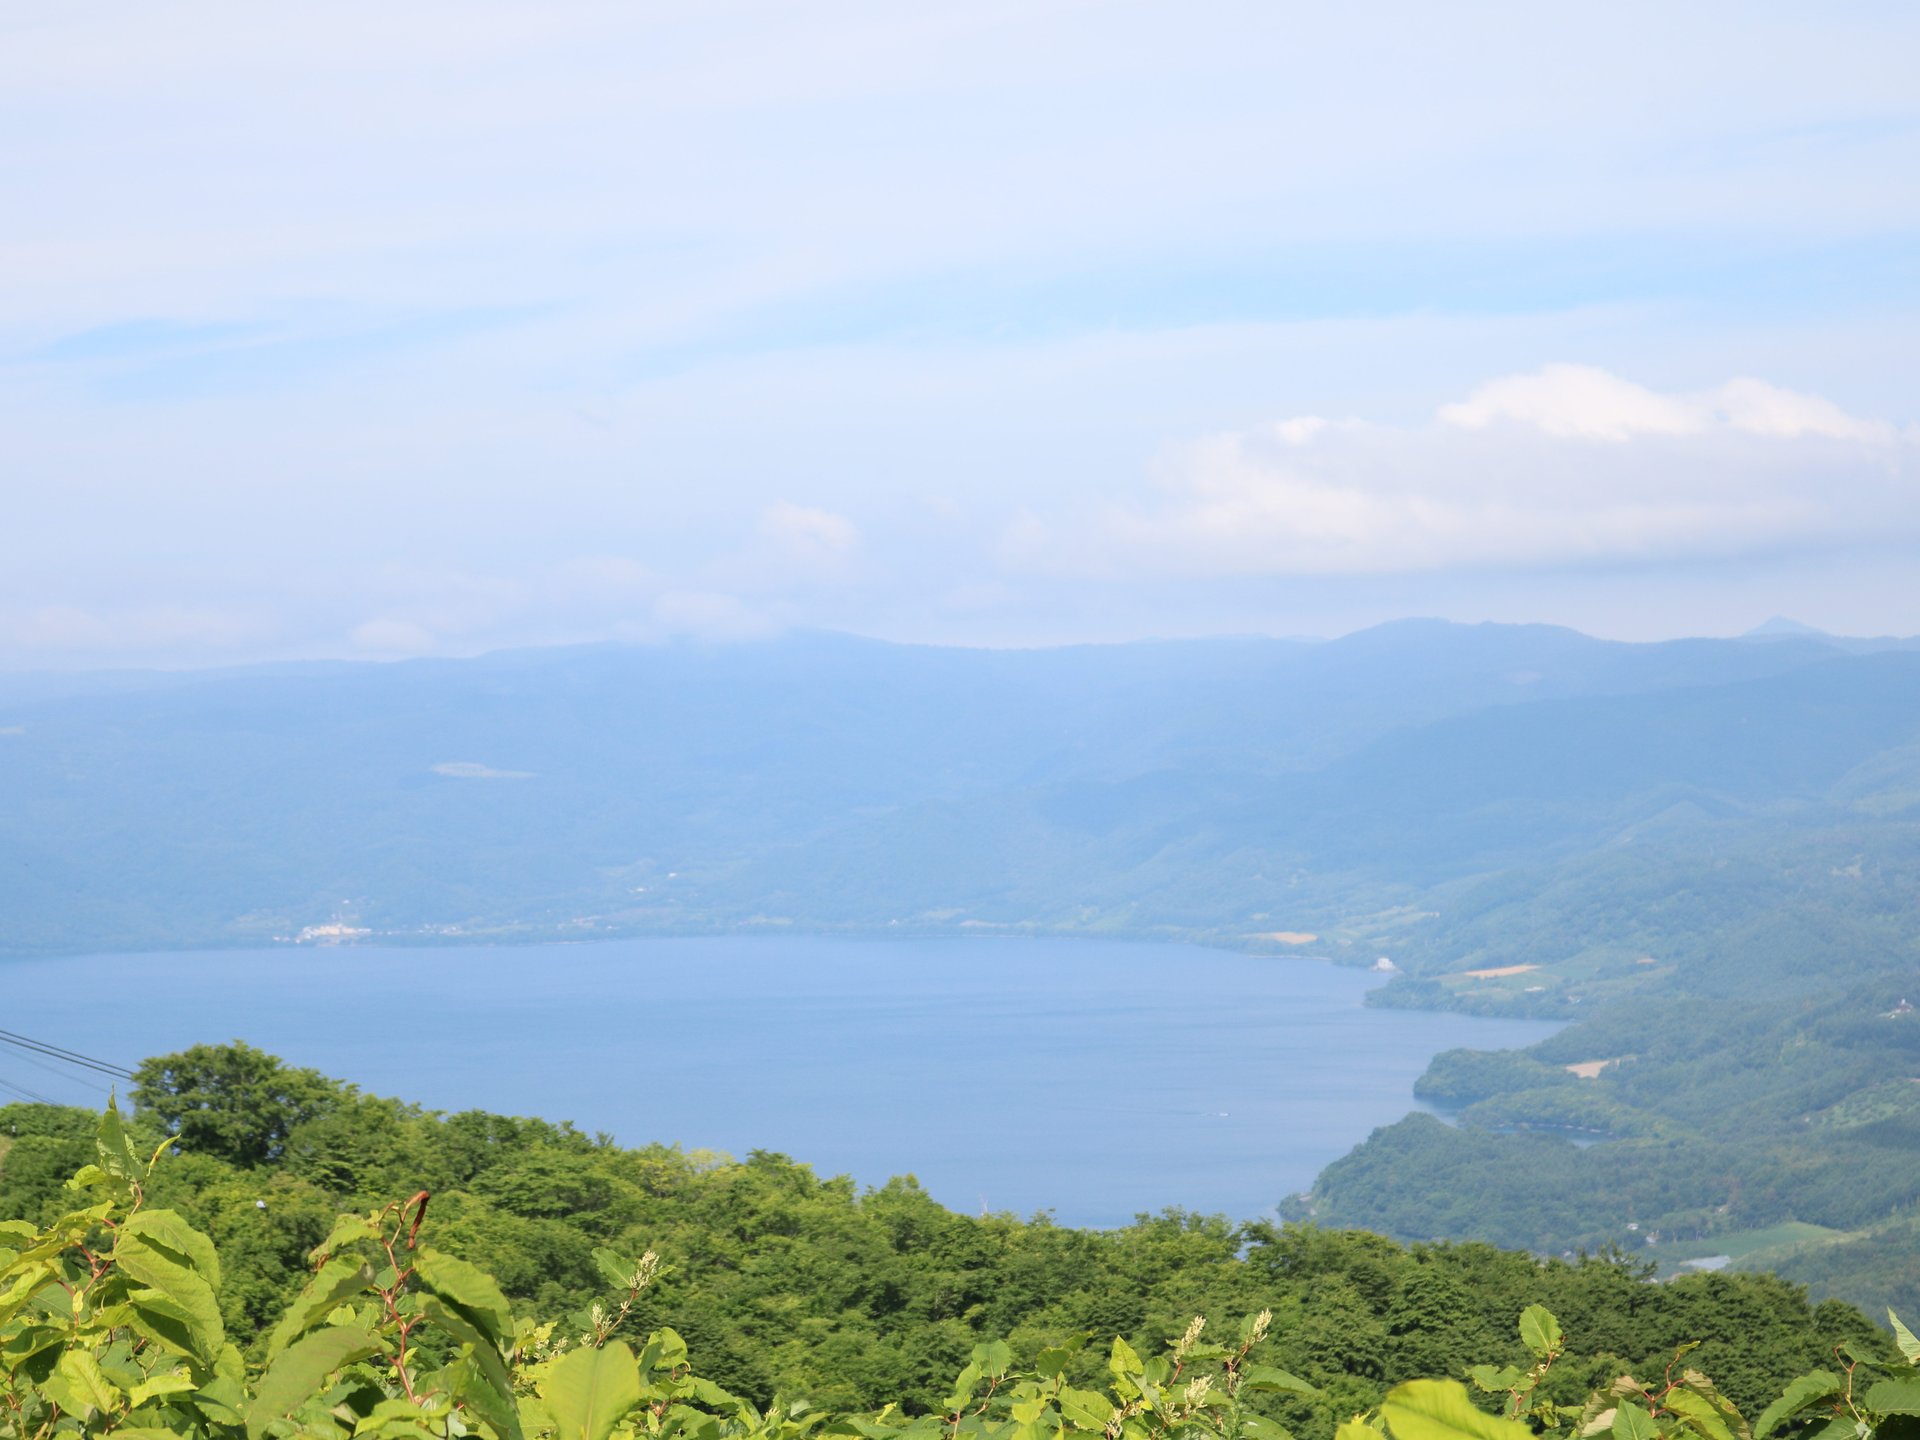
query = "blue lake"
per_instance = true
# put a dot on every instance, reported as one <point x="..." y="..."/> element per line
<point x="1092" y="1079"/>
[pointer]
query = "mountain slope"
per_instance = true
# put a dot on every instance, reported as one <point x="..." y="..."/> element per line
<point x="848" y="781"/>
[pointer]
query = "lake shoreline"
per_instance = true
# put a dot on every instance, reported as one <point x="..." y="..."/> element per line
<point x="1096" y="1080"/>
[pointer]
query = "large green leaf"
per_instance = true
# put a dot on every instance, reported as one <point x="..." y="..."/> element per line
<point x="616" y="1272"/>
<point x="468" y="1289"/>
<point x="993" y="1357"/>
<point x="166" y="1323"/>
<point x="159" y="1271"/>
<point x="29" y="1341"/>
<point x="64" y="1233"/>
<point x="228" y="1365"/>
<point x="664" y="1350"/>
<point x="708" y="1393"/>
<point x="961" y="1396"/>
<point x="177" y="1240"/>
<point x="155" y="1386"/>
<point x="1442" y="1410"/>
<point x="110" y="1144"/>
<point x="1051" y="1361"/>
<point x="220" y="1400"/>
<point x="28" y="1281"/>
<point x="1808" y="1390"/>
<point x="298" y="1373"/>
<point x="491" y="1368"/>
<point x="1085" y="1409"/>
<point x="346" y="1230"/>
<point x="1539" y="1331"/>
<point x="340" y="1278"/>
<point x="588" y="1391"/>
<point x="81" y="1387"/>
<point x="1700" y="1414"/>
<point x="1904" y="1338"/>
<point x="475" y="1386"/>
<point x="1632" y="1422"/>
<point x="1267" y="1378"/>
<point x="1895" y="1397"/>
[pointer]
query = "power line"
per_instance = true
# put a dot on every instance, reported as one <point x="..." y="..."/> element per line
<point x="21" y="1092"/>
<point x="90" y="1082"/>
<point x="47" y="1066"/>
<point x="60" y="1052"/>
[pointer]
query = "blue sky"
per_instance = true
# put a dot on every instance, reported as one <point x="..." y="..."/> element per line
<point x="380" y="331"/>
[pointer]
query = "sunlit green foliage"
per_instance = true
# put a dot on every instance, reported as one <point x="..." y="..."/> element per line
<point x="112" y="1322"/>
<point x="1722" y="1116"/>
<point x="787" y="1282"/>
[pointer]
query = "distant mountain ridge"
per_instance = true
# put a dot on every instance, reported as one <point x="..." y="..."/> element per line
<point x="821" y="779"/>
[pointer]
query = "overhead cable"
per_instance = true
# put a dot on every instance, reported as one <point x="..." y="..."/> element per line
<point x="23" y="1093"/>
<point x="61" y="1053"/>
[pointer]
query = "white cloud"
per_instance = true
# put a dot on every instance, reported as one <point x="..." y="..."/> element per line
<point x="1581" y="402"/>
<point x="1762" y="409"/>
<point x="1299" y="430"/>
<point x="473" y="770"/>
<point x="796" y="545"/>
<point x="1576" y="402"/>
<point x="807" y="535"/>
<point x="1568" y="466"/>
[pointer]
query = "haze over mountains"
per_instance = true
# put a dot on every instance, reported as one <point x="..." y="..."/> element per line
<point x="1214" y="789"/>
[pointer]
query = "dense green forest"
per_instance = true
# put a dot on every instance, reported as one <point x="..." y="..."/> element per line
<point x="149" y="1309"/>
<point x="1752" y="1068"/>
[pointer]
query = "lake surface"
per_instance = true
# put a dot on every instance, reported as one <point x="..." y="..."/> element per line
<point x="1093" y="1079"/>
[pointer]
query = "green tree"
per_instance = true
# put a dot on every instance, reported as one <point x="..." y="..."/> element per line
<point x="232" y="1101"/>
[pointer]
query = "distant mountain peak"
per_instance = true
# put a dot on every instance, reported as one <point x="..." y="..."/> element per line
<point x="1781" y="628"/>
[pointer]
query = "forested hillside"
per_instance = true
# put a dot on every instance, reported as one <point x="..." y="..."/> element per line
<point x="784" y="1282"/>
<point x="1742" y="1081"/>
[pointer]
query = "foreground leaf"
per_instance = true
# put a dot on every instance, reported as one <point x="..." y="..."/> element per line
<point x="1904" y="1338"/>
<point x="1895" y="1397"/>
<point x="468" y="1289"/>
<point x="1808" y="1390"/>
<point x="489" y="1369"/>
<point x="1699" y="1413"/>
<point x="1442" y="1410"/>
<point x="158" y="1270"/>
<point x="588" y="1391"/>
<point x="1539" y="1331"/>
<point x="1270" y="1379"/>
<point x="297" y="1374"/>
<point x="338" y="1279"/>
<point x="175" y="1238"/>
